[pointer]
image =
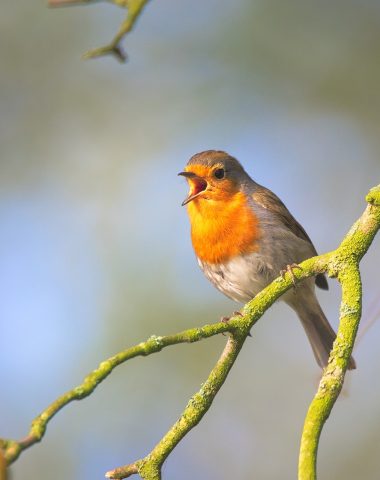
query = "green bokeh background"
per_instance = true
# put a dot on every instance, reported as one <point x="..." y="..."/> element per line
<point x="95" y="253"/>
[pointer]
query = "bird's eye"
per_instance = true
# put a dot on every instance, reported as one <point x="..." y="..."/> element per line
<point x="219" y="173"/>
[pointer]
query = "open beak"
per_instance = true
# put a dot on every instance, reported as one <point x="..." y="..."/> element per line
<point x="197" y="186"/>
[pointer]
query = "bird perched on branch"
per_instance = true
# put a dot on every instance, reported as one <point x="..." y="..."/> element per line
<point x="244" y="236"/>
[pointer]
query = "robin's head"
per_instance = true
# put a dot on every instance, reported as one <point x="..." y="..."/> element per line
<point x="213" y="175"/>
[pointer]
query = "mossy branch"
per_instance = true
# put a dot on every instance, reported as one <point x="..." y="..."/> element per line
<point x="134" y="9"/>
<point x="342" y="263"/>
<point x="149" y="468"/>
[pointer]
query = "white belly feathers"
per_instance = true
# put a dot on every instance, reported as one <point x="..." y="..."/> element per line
<point x="242" y="277"/>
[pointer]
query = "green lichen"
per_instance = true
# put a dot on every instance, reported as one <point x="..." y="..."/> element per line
<point x="373" y="196"/>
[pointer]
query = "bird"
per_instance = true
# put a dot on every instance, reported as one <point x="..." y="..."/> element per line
<point x="243" y="238"/>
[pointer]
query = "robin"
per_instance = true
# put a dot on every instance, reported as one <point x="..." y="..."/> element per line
<point x="244" y="237"/>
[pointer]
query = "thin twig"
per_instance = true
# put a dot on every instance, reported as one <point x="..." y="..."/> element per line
<point x="134" y="7"/>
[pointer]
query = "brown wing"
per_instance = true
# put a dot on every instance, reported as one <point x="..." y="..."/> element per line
<point x="271" y="202"/>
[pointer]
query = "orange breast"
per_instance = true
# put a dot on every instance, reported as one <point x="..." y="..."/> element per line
<point x="221" y="230"/>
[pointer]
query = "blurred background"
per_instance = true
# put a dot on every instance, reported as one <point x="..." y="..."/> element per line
<point x="95" y="251"/>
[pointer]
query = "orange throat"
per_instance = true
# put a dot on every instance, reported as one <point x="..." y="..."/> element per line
<point x="222" y="229"/>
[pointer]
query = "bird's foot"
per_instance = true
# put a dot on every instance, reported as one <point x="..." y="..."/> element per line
<point x="289" y="269"/>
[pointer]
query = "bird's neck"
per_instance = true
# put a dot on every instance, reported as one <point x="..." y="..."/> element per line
<point x="222" y="229"/>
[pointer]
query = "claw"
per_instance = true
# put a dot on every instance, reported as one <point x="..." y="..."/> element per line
<point x="289" y="269"/>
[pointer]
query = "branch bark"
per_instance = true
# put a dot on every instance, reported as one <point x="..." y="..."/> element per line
<point x="344" y="264"/>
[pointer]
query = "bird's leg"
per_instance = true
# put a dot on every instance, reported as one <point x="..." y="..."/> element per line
<point x="289" y="269"/>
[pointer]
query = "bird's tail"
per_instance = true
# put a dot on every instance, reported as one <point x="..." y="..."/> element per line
<point x="318" y="329"/>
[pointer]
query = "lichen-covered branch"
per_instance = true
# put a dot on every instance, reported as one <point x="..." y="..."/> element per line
<point x="342" y="263"/>
<point x="134" y="9"/>
<point x="13" y="448"/>
<point x="149" y="468"/>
